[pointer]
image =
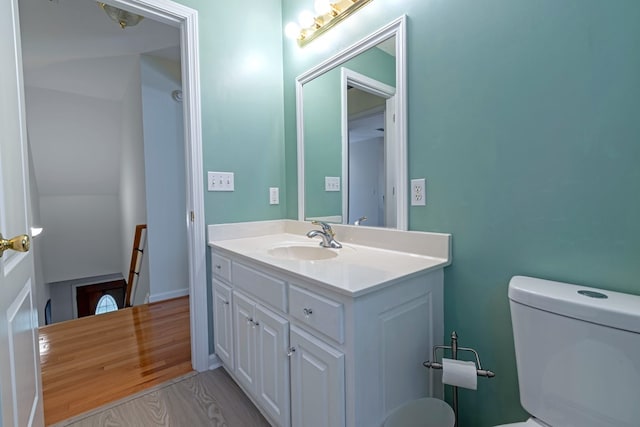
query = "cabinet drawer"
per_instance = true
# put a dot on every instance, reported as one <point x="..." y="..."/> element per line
<point x="266" y="288"/>
<point x="318" y="312"/>
<point x="221" y="266"/>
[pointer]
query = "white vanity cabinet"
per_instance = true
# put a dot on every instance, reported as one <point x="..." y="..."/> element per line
<point x="245" y="342"/>
<point x="311" y="356"/>
<point x="262" y="365"/>
<point x="222" y="322"/>
<point x="252" y="341"/>
<point x="317" y="382"/>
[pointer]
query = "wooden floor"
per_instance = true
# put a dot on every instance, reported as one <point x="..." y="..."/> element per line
<point x="95" y="360"/>
<point x="209" y="398"/>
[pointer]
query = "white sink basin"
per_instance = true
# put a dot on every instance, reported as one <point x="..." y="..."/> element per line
<point x="300" y="252"/>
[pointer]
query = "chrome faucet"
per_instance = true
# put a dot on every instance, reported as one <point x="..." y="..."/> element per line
<point x="360" y="220"/>
<point x="327" y="235"/>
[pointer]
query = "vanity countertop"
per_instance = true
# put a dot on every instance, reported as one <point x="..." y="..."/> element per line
<point x="369" y="259"/>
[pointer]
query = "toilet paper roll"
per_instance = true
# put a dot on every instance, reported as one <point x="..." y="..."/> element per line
<point x="459" y="373"/>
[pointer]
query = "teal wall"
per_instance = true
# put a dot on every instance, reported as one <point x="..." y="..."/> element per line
<point x="323" y="132"/>
<point x="242" y="106"/>
<point x="524" y="117"/>
<point x="242" y="110"/>
<point x="323" y="144"/>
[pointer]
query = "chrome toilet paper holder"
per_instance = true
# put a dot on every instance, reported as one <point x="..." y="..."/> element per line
<point x="454" y="355"/>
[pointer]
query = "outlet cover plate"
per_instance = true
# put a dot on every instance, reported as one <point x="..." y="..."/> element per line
<point x="331" y="183"/>
<point x="274" y="196"/>
<point x="418" y="192"/>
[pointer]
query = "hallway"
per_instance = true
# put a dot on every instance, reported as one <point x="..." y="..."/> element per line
<point x="95" y="360"/>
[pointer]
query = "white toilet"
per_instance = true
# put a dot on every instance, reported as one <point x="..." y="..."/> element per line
<point x="577" y="353"/>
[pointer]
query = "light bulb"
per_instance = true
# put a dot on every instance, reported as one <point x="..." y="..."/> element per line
<point x="292" y="30"/>
<point x="306" y="19"/>
<point x="322" y="7"/>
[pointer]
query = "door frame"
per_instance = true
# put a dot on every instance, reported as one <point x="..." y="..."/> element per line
<point x="186" y="20"/>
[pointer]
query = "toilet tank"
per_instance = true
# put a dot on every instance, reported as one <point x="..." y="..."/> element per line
<point x="577" y="352"/>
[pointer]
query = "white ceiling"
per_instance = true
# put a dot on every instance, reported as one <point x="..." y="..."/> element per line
<point x="68" y="45"/>
<point x="69" y="48"/>
<point x="366" y="128"/>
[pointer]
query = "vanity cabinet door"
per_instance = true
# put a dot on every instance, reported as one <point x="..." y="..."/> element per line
<point x="222" y="323"/>
<point x="317" y="382"/>
<point x="245" y="341"/>
<point x="272" y="335"/>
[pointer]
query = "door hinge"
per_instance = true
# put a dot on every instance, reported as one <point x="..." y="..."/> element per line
<point x="192" y="216"/>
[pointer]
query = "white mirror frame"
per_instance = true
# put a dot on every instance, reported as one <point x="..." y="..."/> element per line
<point x="395" y="28"/>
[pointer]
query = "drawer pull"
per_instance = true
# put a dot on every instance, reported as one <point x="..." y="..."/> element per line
<point x="291" y="351"/>
<point x="307" y="312"/>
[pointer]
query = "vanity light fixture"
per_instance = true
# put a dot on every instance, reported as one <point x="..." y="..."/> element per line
<point x="328" y="15"/>
<point x="122" y="17"/>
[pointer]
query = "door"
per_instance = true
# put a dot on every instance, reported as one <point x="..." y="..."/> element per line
<point x="273" y="364"/>
<point x="317" y="382"/>
<point x="222" y="326"/>
<point x="20" y="383"/>
<point x="245" y="348"/>
<point x="87" y="297"/>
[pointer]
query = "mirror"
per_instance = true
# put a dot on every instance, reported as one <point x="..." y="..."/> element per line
<point x="351" y="129"/>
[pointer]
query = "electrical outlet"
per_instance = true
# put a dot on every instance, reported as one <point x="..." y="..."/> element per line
<point x="331" y="183"/>
<point x="274" y="196"/>
<point x="418" y="192"/>
<point x="220" y="181"/>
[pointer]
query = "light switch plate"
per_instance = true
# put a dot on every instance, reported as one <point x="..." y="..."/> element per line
<point x="418" y="192"/>
<point x="331" y="183"/>
<point x="220" y="181"/>
<point x="274" y="196"/>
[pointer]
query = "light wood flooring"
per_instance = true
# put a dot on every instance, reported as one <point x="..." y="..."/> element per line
<point x="207" y="399"/>
<point x="91" y="361"/>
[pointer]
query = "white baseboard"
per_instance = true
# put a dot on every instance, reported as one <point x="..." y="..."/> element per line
<point x="214" y="362"/>
<point x="169" y="295"/>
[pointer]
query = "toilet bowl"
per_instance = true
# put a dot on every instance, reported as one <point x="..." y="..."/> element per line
<point x="425" y="412"/>
<point x="567" y="338"/>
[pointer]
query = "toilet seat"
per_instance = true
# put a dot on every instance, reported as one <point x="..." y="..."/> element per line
<point x="531" y="422"/>
<point x="425" y="412"/>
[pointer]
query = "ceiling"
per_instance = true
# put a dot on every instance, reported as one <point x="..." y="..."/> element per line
<point x="68" y="45"/>
<point x="366" y="128"/>
<point x="73" y="47"/>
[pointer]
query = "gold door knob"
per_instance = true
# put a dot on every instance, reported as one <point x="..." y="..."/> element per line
<point x="19" y="243"/>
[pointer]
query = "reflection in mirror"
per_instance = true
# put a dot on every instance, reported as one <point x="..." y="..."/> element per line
<point x="351" y="134"/>
<point x="368" y="109"/>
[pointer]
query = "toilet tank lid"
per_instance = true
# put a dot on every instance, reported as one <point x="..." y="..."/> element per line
<point x="606" y="308"/>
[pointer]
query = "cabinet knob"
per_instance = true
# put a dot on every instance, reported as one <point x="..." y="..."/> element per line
<point x="226" y="302"/>
<point x="256" y="324"/>
<point x="249" y="320"/>
<point x="218" y="266"/>
<point x="291" y="351"/>
<point x="307" y="312"/>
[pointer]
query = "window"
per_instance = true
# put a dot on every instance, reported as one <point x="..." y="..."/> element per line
<point x="106" y="304"/>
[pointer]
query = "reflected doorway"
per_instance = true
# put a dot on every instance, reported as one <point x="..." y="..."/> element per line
<point x="369" y="152"/>
<point x="366" y="160"/>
